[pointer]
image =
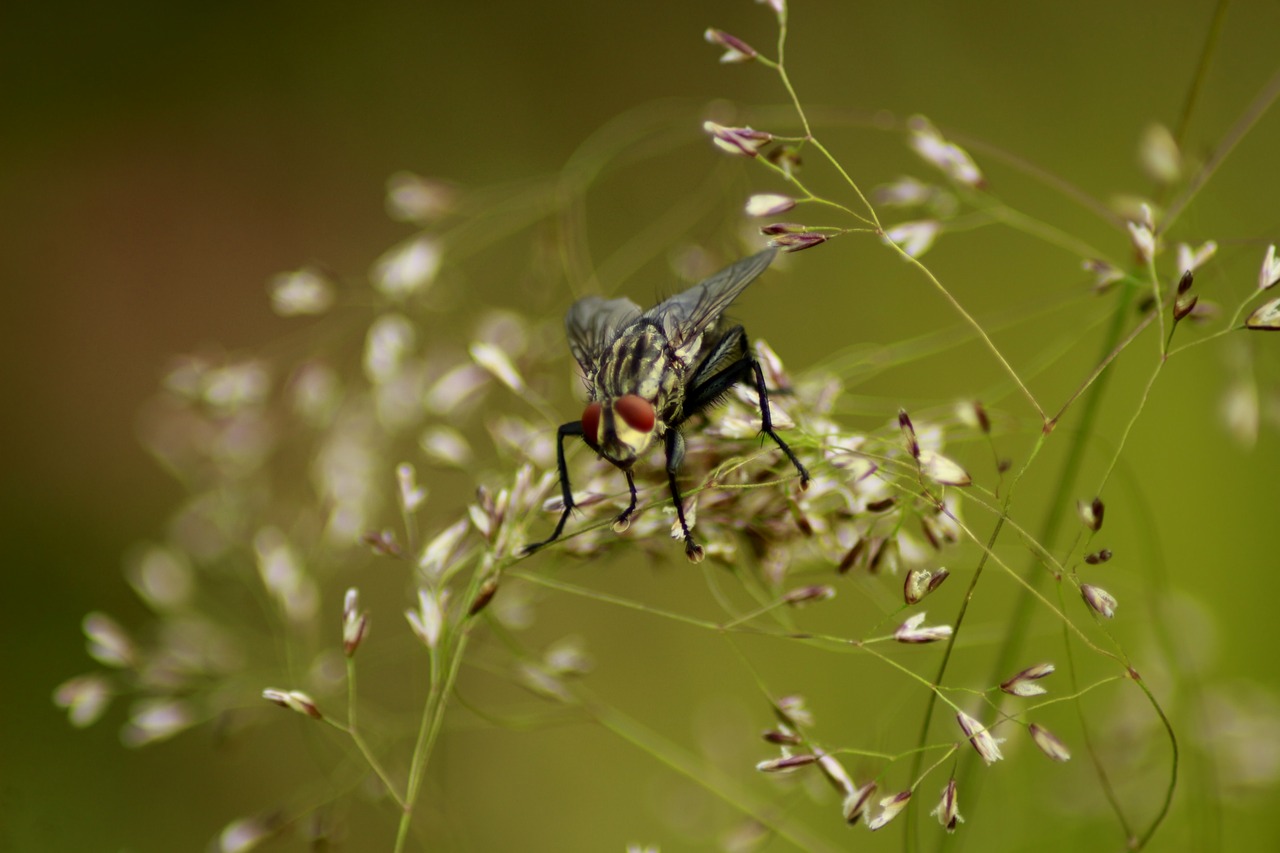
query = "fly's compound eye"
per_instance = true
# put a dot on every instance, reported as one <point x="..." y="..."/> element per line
<point x="636" y="412"/>
<point x="591" y="424"/>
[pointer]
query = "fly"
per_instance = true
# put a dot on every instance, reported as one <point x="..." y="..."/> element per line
<point x="647" y="372"/>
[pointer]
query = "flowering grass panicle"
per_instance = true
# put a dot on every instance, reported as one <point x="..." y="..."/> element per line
<point x="406" y="467"/>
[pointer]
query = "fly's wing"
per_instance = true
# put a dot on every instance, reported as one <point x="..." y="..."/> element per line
<point x="687" y="315"/>
<point x="592" y="323"/>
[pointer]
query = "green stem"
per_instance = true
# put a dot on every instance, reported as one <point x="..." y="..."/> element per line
<point x="431" y="709"/>
<point x="352" y="729"/>
<point x="1057" y="510"/>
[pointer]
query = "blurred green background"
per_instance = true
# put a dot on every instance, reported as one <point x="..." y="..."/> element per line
<point x="159" y="162"/>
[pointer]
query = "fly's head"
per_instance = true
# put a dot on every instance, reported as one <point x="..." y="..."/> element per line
<point x="619" y="429"/>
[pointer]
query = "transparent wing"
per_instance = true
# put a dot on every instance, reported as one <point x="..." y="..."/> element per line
<point x="686" y="315"/>
<point x="592" y="323"/>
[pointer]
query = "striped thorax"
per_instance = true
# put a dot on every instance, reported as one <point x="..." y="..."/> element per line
<point x="637" y="389"/>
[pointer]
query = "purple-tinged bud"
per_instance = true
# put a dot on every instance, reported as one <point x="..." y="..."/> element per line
<point x="875" y="554"/>
<point x="1192" y="259"/>
<point x="735" y="49"/>
<point x="914" y="631"/>
<point x="743" y="141"/>
<point x="1266" y="318"/>
<point x="383" y="543"/>
<point x="1184" y="304"/>
<point x="909" y="433"/>
<point x="988" y="748"/>
<point x="914" y="238"/>
<point x="836" y="774"/>
<point x="354" y="623"/>
<point x="1184" y="283"/>
<point x="427" y="621"/>
<point x="769" y="204"/>
<point x="411" y="494"/>
<point x="882" y="504"/>
<point x="949" y="158"/>
<point x="245" y="834"/>
<point x="798" y="242"/>
<point x="890" y="807"/>
<point x="1026" y="683"/>
<point x="403" y="271"/>
<point x="1091" y="513"/>
<point x="856" y="802"/>
<point x="942" y="469"/>
<point x="540" y="682"/>
<point x="567" y="656"/>
<point x="904" y="192"/>
<point x="781" y="736"/>
<point x="154" y="720"/>
<point x="1049" y="743"/>
<point x="851" y="556"/>
<point x="1144" y="241"/>
<point x="1269" y="275"/>
<point x="926" y="527"/>
<point x="775" y="228"/>
<point x="806" y="594"/>
<point x="793" y="712"/>
<point x="786" y="763"/>
<point x="948" y="810"/>
<point x="980" y="412"/>
<point x="921" y="582"/>
<point x="803" y="524"/>
<point x="294" y="700"/>
<point x="439" y="552"/>
<point x="1183" y="307"/>
<point x="108" y="643"/>
<point x="304" y="291"/>
<point x="499" y="364"/>
<point x="1104" y="274"/>
<point x="85" y="698"/>
<point x="411" y="198"/>
<point x="1102" y="602"/>
<point x="487" y="591"/>
<point x="1159" y="155"/>
<point x="1098" y="557"/>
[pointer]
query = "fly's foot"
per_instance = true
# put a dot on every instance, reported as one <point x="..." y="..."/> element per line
<point x="693" y="551"/>
<point x="621" y="523"/>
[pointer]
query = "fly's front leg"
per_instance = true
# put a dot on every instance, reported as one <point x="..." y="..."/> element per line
<point x="675" y="457"/>
<point x="566" y="430"/>
<point x="766" y="423"/>
<point x="623" y="521"/>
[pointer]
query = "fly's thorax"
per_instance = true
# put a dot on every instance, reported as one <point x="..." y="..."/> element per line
<point x="639" y="362"/>
<point x="621" y="428"/>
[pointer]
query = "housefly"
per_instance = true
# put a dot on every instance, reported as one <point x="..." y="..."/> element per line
<point x="648" y="372"/>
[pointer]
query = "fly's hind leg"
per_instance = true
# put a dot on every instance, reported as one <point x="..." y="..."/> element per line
<point x="766" y="423"/>
<point x="728" y="364"/>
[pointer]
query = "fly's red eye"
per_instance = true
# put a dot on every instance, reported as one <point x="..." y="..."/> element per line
<point x="636" y="411"/>
<point x="591" y="423"/>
